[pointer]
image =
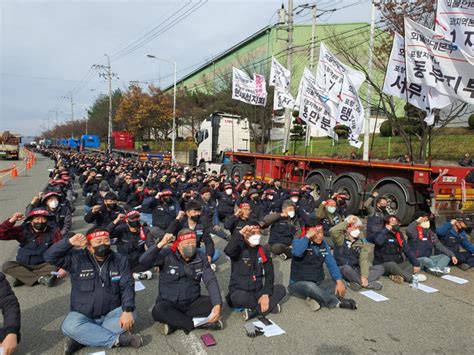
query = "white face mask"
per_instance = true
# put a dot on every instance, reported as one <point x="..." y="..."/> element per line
<point x="254" y="240"/>
<point x="183" y="179"/>
<point x="53" y="204"/>
<point x="291" y="214"/>
<point x="270" y="197"/>
<point x="294" y="199"/>
<point x="331" y="209"/>
<point x="355" y="233"/>
<point x="228" y="191"/>
<point x="425" y="225"/>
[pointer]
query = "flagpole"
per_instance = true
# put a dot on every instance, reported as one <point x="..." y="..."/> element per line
<point x="311" y="66"/>
<point x="369" y="89"/>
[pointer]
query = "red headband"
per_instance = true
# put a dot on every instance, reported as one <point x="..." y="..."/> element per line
<point x="97" y="234"/>
<point x="244" y="205"/>
<point x="181" y="238"/>
<point x="132" y="214"/>
<point x="331" y="203"/>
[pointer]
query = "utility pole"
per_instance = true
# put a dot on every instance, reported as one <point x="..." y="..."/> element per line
<point x="72" y="105"/>
<point x="107" y="74"/>
<point x="311" y="62"/>
<point x="369" y="89"/>
<point x="289" y="63"/>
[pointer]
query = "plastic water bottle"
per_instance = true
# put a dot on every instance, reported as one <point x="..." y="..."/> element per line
<point x="414" y="282"/>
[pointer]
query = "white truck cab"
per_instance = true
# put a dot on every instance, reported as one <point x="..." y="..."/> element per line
<point x="219" y="133"/>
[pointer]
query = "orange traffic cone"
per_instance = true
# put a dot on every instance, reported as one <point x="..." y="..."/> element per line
<point x="14" y="171"/>
<point x="28" y="163"/>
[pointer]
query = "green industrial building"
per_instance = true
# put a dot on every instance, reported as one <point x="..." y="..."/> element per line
<point x="254" y="53"/>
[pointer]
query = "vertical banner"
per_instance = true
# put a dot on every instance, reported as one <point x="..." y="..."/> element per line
<point x="280" y="79"/>
<point x="315" y="109"/>
<point x="438" y="63"/>
<point x="455" y="21"/>
<point x="421" y="96"/>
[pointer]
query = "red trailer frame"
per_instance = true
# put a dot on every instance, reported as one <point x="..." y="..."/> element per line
<point x="405" y="185"/>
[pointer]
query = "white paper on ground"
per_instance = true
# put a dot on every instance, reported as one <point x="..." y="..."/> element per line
<point x="455" y="279"/>
<point x="426" y="289"/>
<point x="139" y="286"/>
<point x="198" y="321"/>
<point x="269" y="330"/>
<point x="97" y="353"/>
<point x="377" y="297"/>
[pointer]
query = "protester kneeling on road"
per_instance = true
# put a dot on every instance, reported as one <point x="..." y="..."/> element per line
<point x="35" y="236"/>
<point x="422" y="241"/>
<point x="392" y="252"/>
<point x="454" y="235"/>
<point x="252" y="277"/>
<point x="182" y="268"/>
<point x="10" y="333"/>
<point x="192" y="219"/>
<point x="353" y="255"/>
<point x="132" y="238"/>
<point x="307" y="277"/>
<point x="284" y="227"/>
<point x="102" y="292"/>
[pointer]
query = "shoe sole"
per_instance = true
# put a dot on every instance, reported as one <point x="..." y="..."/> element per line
<point x="313" y="304"/>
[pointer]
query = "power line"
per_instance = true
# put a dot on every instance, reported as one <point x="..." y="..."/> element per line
<point x="125" y="52"/>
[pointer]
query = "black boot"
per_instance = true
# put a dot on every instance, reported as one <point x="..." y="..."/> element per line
<point x="128" y="340"/>
<point x="71" y="346"/>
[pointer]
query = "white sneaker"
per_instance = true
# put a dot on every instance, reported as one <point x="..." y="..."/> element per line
<point x="446" y="270"/>
<point x="147" y="275"/>
<point x="421" y="277"/>
<point x="136" y="276"/>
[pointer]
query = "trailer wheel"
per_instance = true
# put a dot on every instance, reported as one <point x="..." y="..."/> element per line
<point x="348" y="187"/>
<point x="397" y="203"/>
<point x="241" y="170"/>
<point x="318" y="185"/>
<point x="227" y="170"/>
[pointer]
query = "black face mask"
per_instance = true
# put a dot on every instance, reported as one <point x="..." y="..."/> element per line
<point x="39" y="226"/>
<point x="134" y="224"/>
<point x="256" y="198"/>
<point x="396" y="228"/>
<point x="102" y="250"/>
<point x="167" y="199"/>
<point x="110" y="206"/>
<point x="383" y="208"/>
<point x="195" y="218"/>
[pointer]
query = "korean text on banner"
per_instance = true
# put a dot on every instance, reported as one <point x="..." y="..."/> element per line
<point x="438" y="63"/>
<point x="315" y="109"/>
<point x="280" y="79"/>
<point x="421" y="96"/>
<point x="245" y="89"/>
<point x="455" y="21"/>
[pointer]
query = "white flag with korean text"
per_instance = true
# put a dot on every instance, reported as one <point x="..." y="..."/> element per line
<point x="280" y="79"/>
<point x="330" y="74"/>
<point x="455" y="21"/>
<point x="314" y="108"/>
<point x="251" y="91"/>
<point x="421" y="96"/>
<point x="438" y="63"/>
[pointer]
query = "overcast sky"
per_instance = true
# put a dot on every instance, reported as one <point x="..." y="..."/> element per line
<point x="48" y="47"/>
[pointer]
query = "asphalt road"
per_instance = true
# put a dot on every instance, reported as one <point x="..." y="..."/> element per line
<point x="409" y="322"/>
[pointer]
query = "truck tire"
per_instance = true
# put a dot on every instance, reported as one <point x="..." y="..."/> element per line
<point x="227" y="170"/>
<point x="241" y="169"/>
<point x="348" y="187"/>
<point x="318" y="185"/>
<point x="397" y="202"/>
